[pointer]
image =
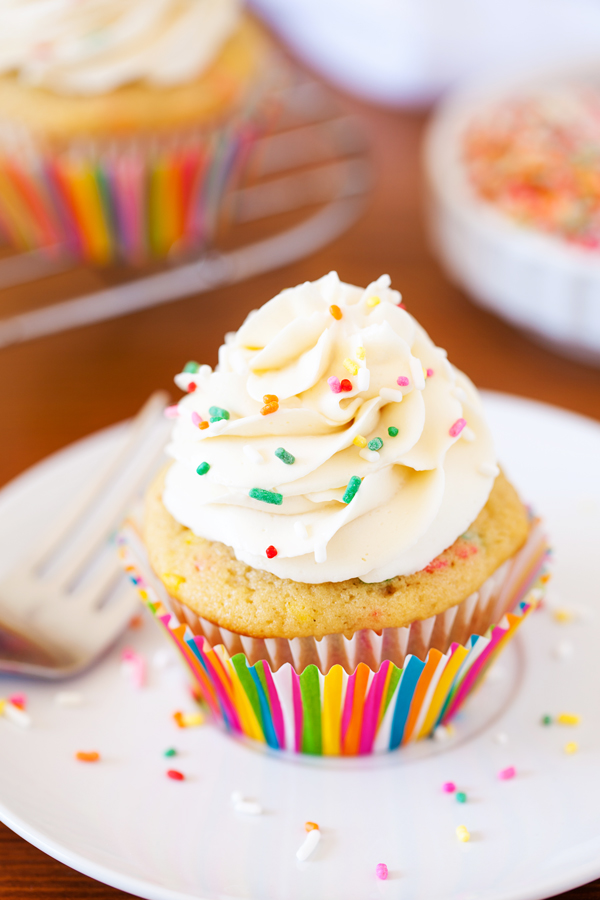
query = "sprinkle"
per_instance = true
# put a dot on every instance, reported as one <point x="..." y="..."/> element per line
<point x="87" y="755"/>
<point x="429" y="373"/>
<point x="507" y="774"/>
<point x="203" y="425"/>
<point x="381" y="871"/>
<point x="375" y="444"/>
<point x="546" y="720"/>
<point x="360" y="441"/>
<point x="247" y="807"/>
<point x="448" y="787"/>
<point x="335" y="311"/>
<point x="191" y="387"/>
<point x="266" y="496"/>
<point x="371" y="456"/>
<point x="310" y="826"/>
<point x="196" y="419"/>
<point x="568" y="719"/>
<point x="563" y="615"/>
<point x="310" y="842"/>
<point x="171" y="412"/>
<point x="353" y="486"/>
<point x="18" y="700"/>
<point x="178" y="716"/>
<point x="334" y="384"/>
<point x="285" y="457"/>
<point x="489" y="470"/>
<point x="136" y="622"/>
<point x="401" y="306"/>
<point x="253" y="454"/>
<point x="501" y="738"/>
<point x="15" y="715"/>
<point x="217" y="412"/>
<point x="191" y="720"/>
<point x="300" y="530"/>
<point x="392" y="431"/>
<point x="360" y="352"/>
<point x="462" y="834"/>
<point x="571" y="747"/>
<point x="461" y="797"/>
<point x="363" y="379"/>
<point x="271" y="552"/>
<point x="269" y="408"/>
<point x="416" y="370"/>
<point x="441" y="733"/>
<point x="270" y="398"/>
<point x="390" y="395"/>
<point x="203" y="468"/>
<point x="134" y="666"/>
<point x="68" y="698"/>
<point x="403" y="381"/>
<point x="345" y="384"/>
<point x="351" y="365"/>
<point x="373" y="301"/>
<point x="170" y="752"/>
<point x="563" y="650"/>
<point x="456" y="429"/>
<point x="321" y="553"/>
<point x="191" y="366"/>
<point x="175" y="775"/>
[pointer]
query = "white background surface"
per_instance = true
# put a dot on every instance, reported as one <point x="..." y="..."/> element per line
<point x="123" y="822"/>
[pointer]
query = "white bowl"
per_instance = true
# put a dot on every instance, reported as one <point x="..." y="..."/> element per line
<point x="537" y="281"/>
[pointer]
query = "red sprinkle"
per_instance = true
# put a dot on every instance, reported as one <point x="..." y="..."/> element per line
<point x="345" y="384"/>
<point x="402" y="380"/>
<point x="457" y="427"/>
<point x="271" y="552"/>
<point x="401" y="306"/>
<point x="175" y="775"/>
<point x="192" y="387"/>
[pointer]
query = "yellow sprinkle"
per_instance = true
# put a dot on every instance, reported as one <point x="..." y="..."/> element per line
<point x="571" y="747"/>
<point x="360" y="352"/>
<point x="360" y="441"/>
<point x="172" y="581"/>
<point x="568" y="719"/>
<point x="143" y="594"/>
<point x="563" y="615"/>
<point x="373" y="301"/>
<point x="351" y="366"/>
<point x="189" y="720"/>
<point x="462" y="834"/>
<point x="2" y="705"/>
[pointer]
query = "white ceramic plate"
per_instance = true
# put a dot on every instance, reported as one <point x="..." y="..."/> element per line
<point x="124" y="822"/>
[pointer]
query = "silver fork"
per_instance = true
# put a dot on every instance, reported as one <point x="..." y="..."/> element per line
<point x="69" y="599"/>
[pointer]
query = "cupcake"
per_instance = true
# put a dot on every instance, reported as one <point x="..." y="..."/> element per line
<point x="122" y="124"/>
<point x="335" y="550"/>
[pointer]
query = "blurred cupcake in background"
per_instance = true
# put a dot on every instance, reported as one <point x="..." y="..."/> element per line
<point x="124" y="122"/>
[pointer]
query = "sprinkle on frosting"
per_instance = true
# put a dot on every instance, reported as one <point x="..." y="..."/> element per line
<point x="359" y="441"/>
<point x="456" y="429"/>
<point x="335" y="384"/>
<point x="269" y="408"/>
<point x="375" y="444"/>
<point x="191" y="366"/>
<point x="360" y="352"/>
<point x="403" y="381"/>
<point x="271" y="552"/>
<point x="351" y="365"/>
<point x="203" y="468"/>
<point x="393" y="431"/>
<point x="335" y="311"/>
<point x="346" y="384"/>
<point x="373" y="301"/>
<point x="217" y="412"/>
<point x="285" y="457"/>
<point x="196" y="418"/>
<point x="353" y="486"/>
<point x="266" y="496"/>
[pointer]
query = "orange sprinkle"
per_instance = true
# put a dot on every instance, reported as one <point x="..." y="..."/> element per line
<point x="270" y="398"/>
<point x="136" y="622"/>
<point x="203" y="425"/>
<point x="178" y="716"/>
<point x="335" y="312"/>
<point x="311" y="826"/>
<point x="269" y="408"/>
<point x="87" y="756"/>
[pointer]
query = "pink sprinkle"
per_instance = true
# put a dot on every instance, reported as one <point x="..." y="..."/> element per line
<point x="171" y="412"/>
<point x="196" y="419"/>
<point x="381" y="871"/>
<point x="448" y="787"/>
<point x="429" y="373"/>
<point x="457" y="427"/>
<point x="507" y="774"/>
<point x="136" y="666"/>
<point x="335" y="384"/>
<point x="402" y="380"/>
<point x="19" y="700"/>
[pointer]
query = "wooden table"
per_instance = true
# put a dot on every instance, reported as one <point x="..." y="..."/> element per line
<point x="59" y="389"/>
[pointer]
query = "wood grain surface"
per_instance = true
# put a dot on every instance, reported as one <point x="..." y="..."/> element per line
<point x="59" y="389"/>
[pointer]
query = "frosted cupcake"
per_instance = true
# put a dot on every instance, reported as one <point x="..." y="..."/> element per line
<point x="339" y="557"/>
<point x="123" y="123"/>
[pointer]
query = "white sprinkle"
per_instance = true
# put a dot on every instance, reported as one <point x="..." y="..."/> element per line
<point x="17" y="716"/>
<point x="563" y="650"/>
<point x="218" y="426"/>
<point x="489" y="470"/>
<point x="459" y="394"/>
<point x="391" y="395"/>
<point x="301" y="530"/>
<point x="253" y="454"/>
<point x="501" y="738"/>
<point x="416" y="370"/>
<point x="321" y="553"/>
<point x="68" y="698"/>
<point x="369" y="455"/>
<point x="468" y="434"/>
<point x="247" y="807"/>
<point x="441" y="734"/>
<point x="308" y="845"/>
<point x="363" y="379"/>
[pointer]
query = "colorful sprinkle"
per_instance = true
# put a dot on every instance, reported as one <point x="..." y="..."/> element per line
<point x="335" y="384"/>
<point x="203" y="425"/>
<point x="345" y="384"/>
<point x="175" y="775"/>
<point x="360" y="441"/>
<point x="271" y="552"/>
<point x="351" y="489"/>
<point x="456" y="429"/>
<point x="462" y="834"/>
<point x="196" y="419"/>
<point x="269" y="408"/>
<point x="270" y="398"/>
<point x="309" y="844"/>
<point x="375" y="444"/>
<point x="360" y="352"/>
<point x="266" y="496"/>
<point x="285" y="457"/>
<point x="18" y="700"/>
<point x="448" y="787"/>
<point x="429" y="373"/>
<point x="546" y="720"/>
<point x="381" y="871"/>
<point x="351" y="365"/>
<point x="87" y="756"/>
<point x="568" y="719"/>
<point x="335" y="311"/>
<point x="188" y="720"/>
<point x="203" y="468"/>
<point x="392" y="431"/>
<point x="217" y="413"/>
<point x="507" y="774"/>
<point x="403" y="381"/>
<point x="191" y="366"/>
<point x="571" y="747"/>
<point x="310" y="826"/>
<point x="171" y="412"/>
<point x="373" y="301"/>
<point x="191" y="387"/>
<point x="461" y="797"/>
<point x="170" y="752"/>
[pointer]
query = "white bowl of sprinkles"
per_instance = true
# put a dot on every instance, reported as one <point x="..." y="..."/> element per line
<point x="513" y="171"/>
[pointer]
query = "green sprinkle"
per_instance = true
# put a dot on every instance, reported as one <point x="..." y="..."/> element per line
<point x="375" y="444"/>
<point x="266" y="496"/>
<point x="285" y="457"/>
<point x="353" y="486"/>
<point x="217" y="413"/>
<point x="461" y="797"/>
<point x="217" y="419"/>
<point x="546" y="720"/>
<point x="203" y="468"/>
<point x="191" y="366"/>
<point x="170" y="752"/>
<point x="392" y="431"/>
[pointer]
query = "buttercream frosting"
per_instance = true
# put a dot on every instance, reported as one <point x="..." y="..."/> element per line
<point x="279" y="480"/>
<point x="94" y="46"/>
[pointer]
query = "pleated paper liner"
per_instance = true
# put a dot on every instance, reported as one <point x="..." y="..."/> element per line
<point x="346" y="696"/>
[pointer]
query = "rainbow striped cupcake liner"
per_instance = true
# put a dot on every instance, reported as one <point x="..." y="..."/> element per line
<point x="346" y="697"/>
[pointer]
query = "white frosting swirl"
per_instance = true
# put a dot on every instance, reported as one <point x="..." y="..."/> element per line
<point x="94" y="46"/>
<point x="418" y="493"/>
